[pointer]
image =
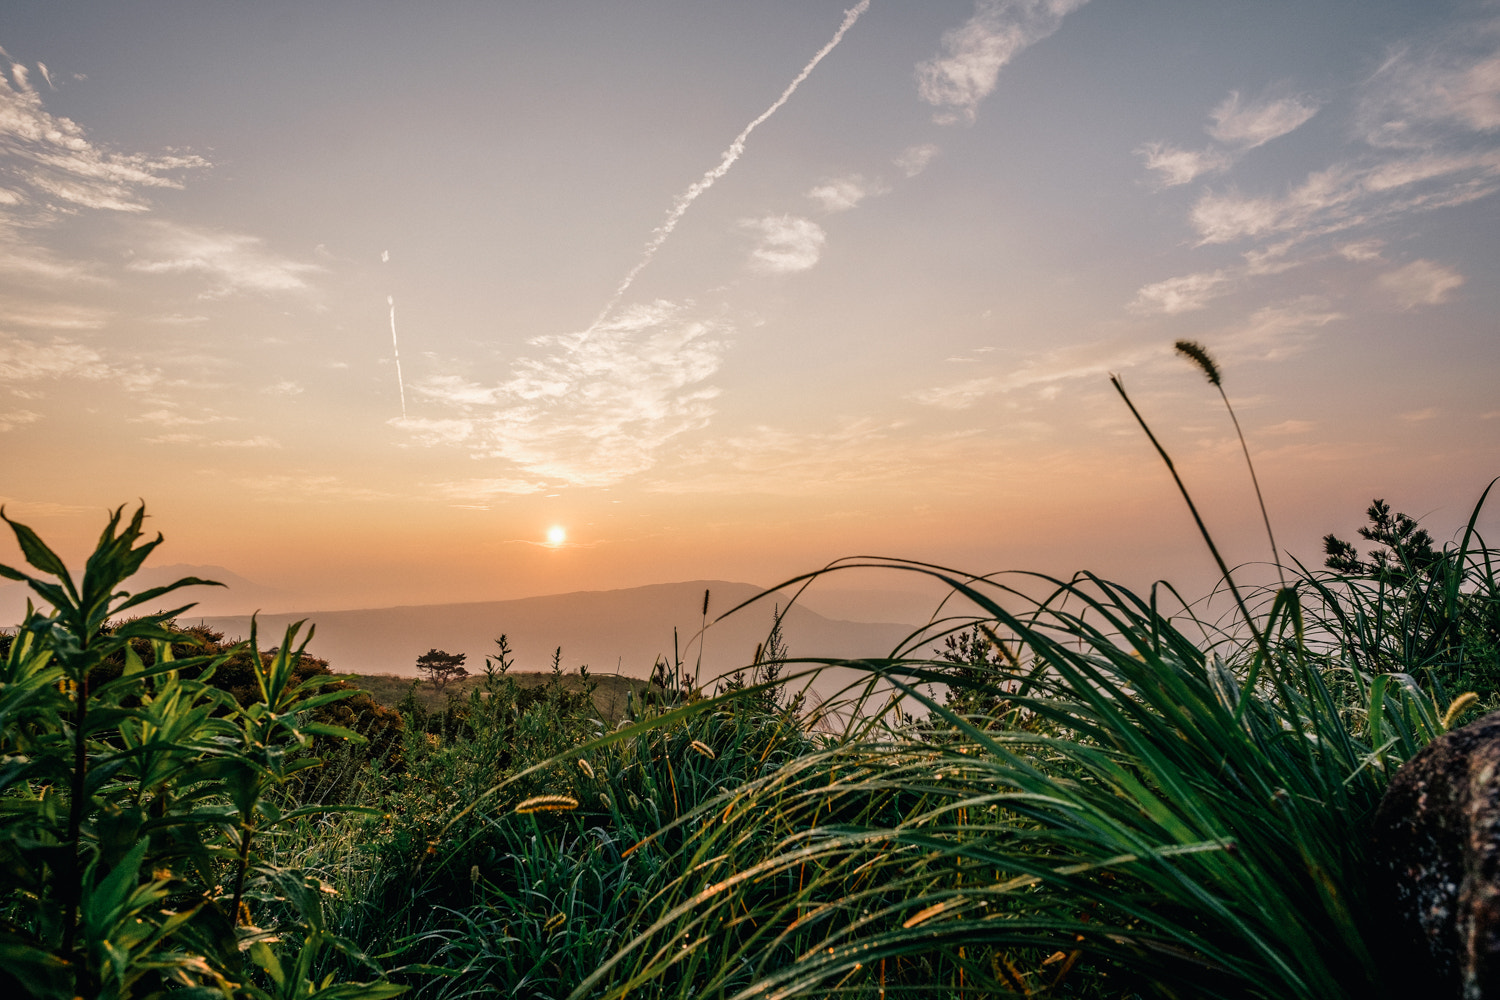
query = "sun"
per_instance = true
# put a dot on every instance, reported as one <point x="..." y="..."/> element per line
<point x="556" y="535"/>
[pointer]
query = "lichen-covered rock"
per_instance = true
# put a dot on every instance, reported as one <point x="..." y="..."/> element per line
<point x="1435" y="856"/>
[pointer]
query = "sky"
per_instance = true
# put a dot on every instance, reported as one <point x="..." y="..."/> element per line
<point x="376" y="303"/>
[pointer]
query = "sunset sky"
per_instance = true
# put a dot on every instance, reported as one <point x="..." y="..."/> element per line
<point x="689" y="289"/>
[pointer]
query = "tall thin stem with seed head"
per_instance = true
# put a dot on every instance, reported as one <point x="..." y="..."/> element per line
<point x="1234" y="590"/>
<point x="1198" y="355"/>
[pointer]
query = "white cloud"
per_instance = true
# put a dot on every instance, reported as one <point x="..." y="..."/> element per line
<point x="788" y="243"/>
<point x="24" y="361"/>
<point x="233" y="261"/>
<point x="29" y="361"/>
<point x="1421" y="283"/>
<point x="484" y="489"/>
<point x="286" y="387"/>
<point x="1181" y="166"/>
<point x="1345" y="196"/>
<point x="176" y="438"/>
<point x="259" y="441"/>
<point x="12" y="419"/>
<point x="843" y="193"/>
<point x="168" y="416"/>
<point x="1421" y="93"/>
<point x="1179" y="295"/>
<point x="594" y="410"/>
<point x="51" y="315"/>
<point x="914" y="159"/>
<point x="53" y="157"/>
<point x="1362" y="251"/>
<point x="1278" y="331"/>
<point x="1428" y="120"/>
<point x="973" y="54"/>
<point x="1042" y="372"/>
<point x="1246" y="126"/>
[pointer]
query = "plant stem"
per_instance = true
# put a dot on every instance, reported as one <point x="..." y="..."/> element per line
<point x="73" y="887"/>
<point x="1260" y="640"/>
<point x="1266" y="518"/>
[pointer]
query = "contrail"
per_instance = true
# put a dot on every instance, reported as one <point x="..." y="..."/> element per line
<point x="686" y="199"/>
<point x="396" y="349"/>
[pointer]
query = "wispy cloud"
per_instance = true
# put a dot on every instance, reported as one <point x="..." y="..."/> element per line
<point x="1183" y="166"/>
<point x="170" y="416"/>
<point x="1042" y="371"/>
<point x="597" y="407"/>
<point x="51" y="166"/>
<point x="966" y="71"/>
<point x="286" y="387"/>
<point x="12" y="419"/>
<point x="1179" y="295"/>
<point x="23" y="360"/>
<point x="1239" y="126"/>
<point x="27" y="364"/>
<point x="233" y="262"/>
<point x="914" y="159"/>
<point x="1427" y="124"/>
<point x="486" y="489"/>
<point x="788" y="243"/>
<point x="1346" y="195"/>
<point x="258" y="441"/>
<point x="33" y="315"/>
<point x="1245" y="125"/>
<point x="843" y="193"/>
<point x="1278" y="331"/>
<point x="1421" y="283"/>
<point x="1424" y="91"/>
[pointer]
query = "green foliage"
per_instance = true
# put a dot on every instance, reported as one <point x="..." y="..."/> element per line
<point x="1413" y="608"/>
<point x="133" y="796"/>
<point x="1409" y="551"/>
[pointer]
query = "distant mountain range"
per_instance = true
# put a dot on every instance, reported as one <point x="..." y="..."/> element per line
<point x="612" y="631"/>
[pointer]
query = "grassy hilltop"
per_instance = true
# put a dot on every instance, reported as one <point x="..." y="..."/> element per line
<point x="1074" y="790"/>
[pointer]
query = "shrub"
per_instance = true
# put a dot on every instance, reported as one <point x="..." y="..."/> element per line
<point x="135" y="798"/>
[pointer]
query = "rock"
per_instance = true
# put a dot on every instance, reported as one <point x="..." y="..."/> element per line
<point x="1435" y="866"/>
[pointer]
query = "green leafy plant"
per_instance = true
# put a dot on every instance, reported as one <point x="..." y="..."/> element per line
<point x="131" y="807"/>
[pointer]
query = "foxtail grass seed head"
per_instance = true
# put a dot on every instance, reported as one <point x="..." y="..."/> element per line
<point x="586" y="768"/>
<point x="1199" y="356"/>
<point x="1460" y="705"/>
<point x="558" y="919"/>
<point x="546" y="803"/>
<point x="635" y="803"/>
<point x="604" y="800"/>
<point x="703" y="748"/>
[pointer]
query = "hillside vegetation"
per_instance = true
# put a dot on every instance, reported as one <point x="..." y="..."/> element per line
<point x="1077" y="791"/>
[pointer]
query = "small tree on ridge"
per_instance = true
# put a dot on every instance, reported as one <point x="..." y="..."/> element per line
<point x="441" y="667"/>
